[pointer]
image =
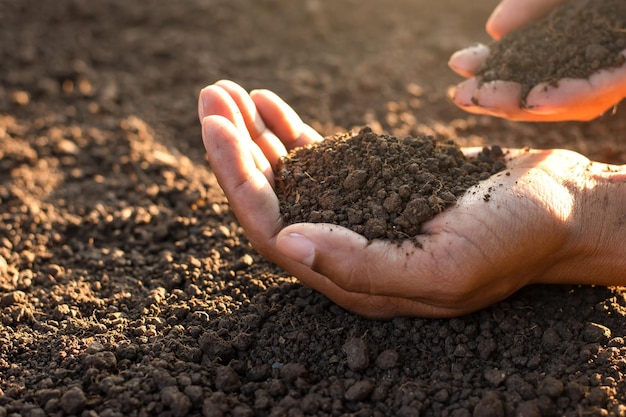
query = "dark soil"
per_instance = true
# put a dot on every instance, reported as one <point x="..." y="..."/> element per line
<point x="127" y="287"/>
<point x="379" y="186"/>
<point x="573" y="41"/>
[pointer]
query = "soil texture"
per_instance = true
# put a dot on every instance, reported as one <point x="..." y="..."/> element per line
<point x="573" y="41"/>
<point x="379" y="186"/>
<point x="127" y="287"/>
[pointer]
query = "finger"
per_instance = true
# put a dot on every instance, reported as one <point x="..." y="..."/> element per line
<point x="511" y="15"/>
<point x="494" y="98"/>
<point x="214" y="100"/>
<point x="571" y="99"/>
<point x="466" y="61"/>
<point x="463" y="94"/>
<point x="270" y="145"/>
<point x="248" y="190"/>
<point x="242" y="99"/>
<point x="579" y="99"/>
<point x="283" y="120"/>
<point x="503" y="101"/>
<point x="500" y="98"/>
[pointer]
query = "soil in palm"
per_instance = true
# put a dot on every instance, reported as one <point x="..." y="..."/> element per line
<point x="573" y="41"/>
<point x="380" y="186"/>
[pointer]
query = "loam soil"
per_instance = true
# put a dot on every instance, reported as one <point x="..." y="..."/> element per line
<point x="577" y="38"/>
<point x="379" y="186"/>
<point x="127" y="287"/>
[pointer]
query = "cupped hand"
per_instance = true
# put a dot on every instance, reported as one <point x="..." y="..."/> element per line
<point x="510" y="230"/>
<point x="569" y="99"/>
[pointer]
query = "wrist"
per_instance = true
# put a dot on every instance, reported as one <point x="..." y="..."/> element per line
<point x="596" y="249"/>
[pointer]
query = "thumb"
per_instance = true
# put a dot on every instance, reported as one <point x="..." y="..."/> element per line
<point x="375" y="279"/>
<point x="309" y="244"/>
<point x="355" y="264"/>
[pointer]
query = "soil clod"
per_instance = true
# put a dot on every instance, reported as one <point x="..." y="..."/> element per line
<point x="380" y="186"/>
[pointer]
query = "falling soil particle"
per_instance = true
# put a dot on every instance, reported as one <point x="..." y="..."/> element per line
<point x="379" y="186"/>
<point x="573" y="41"/>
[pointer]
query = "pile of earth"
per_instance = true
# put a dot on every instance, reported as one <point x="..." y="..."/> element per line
<point x="573" y="41"/>
<point x="127" y="287"/>
<point x="379" y="186"/>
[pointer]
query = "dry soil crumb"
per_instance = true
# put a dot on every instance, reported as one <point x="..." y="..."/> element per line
<point x="125" y="277"/>
<point x="573" y="41"/>
<point x="380" y="186"/>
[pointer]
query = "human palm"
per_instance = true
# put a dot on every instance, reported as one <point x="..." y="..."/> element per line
<point x="569" y="99"/>
<point x="471" y="255"/>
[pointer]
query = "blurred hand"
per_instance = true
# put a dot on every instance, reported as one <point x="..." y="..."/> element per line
<point x="571" y="99"/>
<point x="520" y="226"/>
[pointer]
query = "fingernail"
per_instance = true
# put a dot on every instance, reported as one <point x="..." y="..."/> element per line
<point x="298" y="248"/>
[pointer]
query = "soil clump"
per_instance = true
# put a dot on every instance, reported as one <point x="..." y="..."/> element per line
<point x="573" y="41"/>
<point x="127" y="287"/>
<point x="380" y="186"/>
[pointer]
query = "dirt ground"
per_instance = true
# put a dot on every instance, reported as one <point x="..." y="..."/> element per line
<point x="127" y="287"/>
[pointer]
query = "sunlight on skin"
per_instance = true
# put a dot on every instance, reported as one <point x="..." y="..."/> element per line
<point x="468" y="259"/>
<point x="466" y="61"/>
<point x="602" y="90"/>
<point x="569" y="99"/>
<point x="249" y="190"/>
<point x="283" y="121"/>
<point x="497" y="98"/>
<point x="466" y="250"/>
<point x="562" y="199"/>
<point x="214" y="100"/>
<point x="248" y="185"/>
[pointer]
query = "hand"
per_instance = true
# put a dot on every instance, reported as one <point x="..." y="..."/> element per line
<point x="523" y="225"/>
<point x="571" y="99"/>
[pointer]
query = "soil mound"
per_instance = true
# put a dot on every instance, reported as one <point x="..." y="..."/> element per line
<point x="380" y="186"/>
<point x="573" y="41"/>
